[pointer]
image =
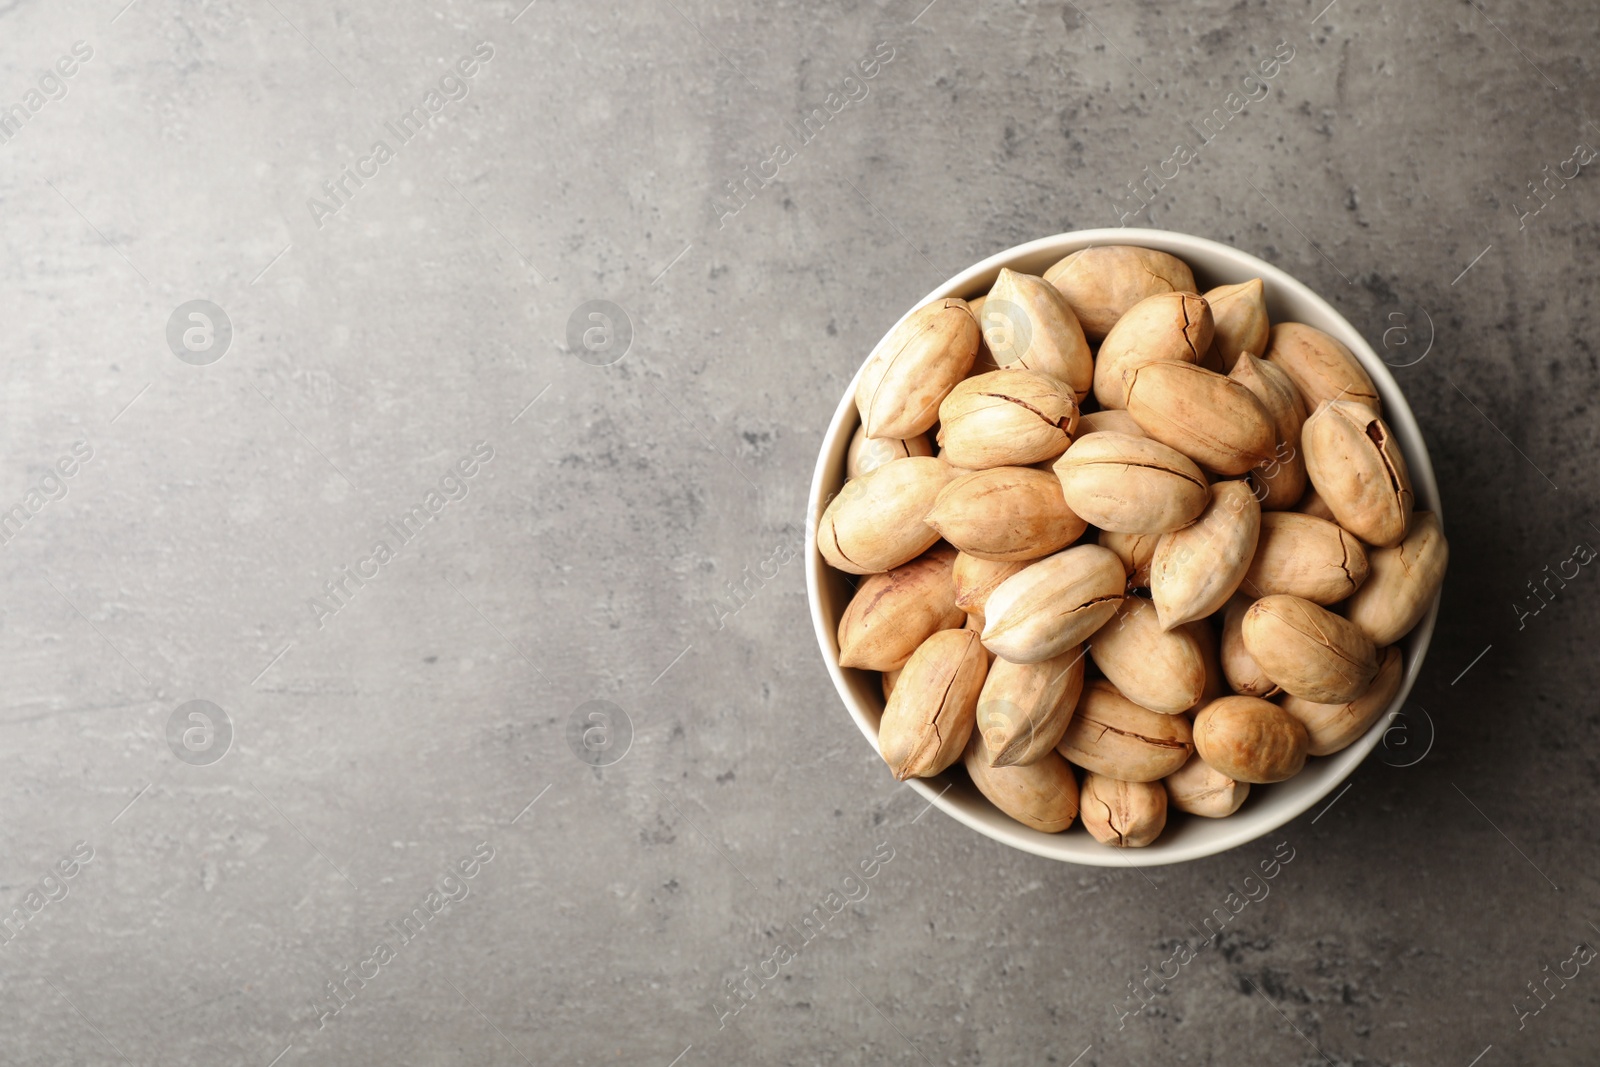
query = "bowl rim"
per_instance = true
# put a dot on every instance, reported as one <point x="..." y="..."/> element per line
<point x="1340" y="765"/>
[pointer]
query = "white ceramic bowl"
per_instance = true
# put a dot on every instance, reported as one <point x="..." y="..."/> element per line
<point x="1186" y="837"/>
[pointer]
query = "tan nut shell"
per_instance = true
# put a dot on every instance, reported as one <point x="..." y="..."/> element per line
<point x="1280" y="480"/>
<point x="1042" y="795"/>
<point x="1162" y="670"/>
<point x="1312" y="504"/>
<point x="1209" y="642"/>
<point x="876" y="521"/>
<point x="1124" y="814"/>
<point x="1006" y="514"/>
<point x="1402" y="583"/>
<point x="1199" y="789"/>
<point x="1135" y="551"/>
<point x="1196" y="569"/>
<point x="984" y="362"/>
<point x="1250" y="739"/>
<point x="938" y="454"/>
<point x="1025" y="707"/>
<point x="1306" y="557"/>
<point x="1240" y="315"/>
<point x="900" y="388"/>
<point x="1168" y="326"/>
<point x="887" y="679"/>
<point x="1103" y="282"/>
<point x="1332" y="727"/>
<point x="1320" y="365"/>
<point x="1308" y="650"/>
<point x="930" y="713"/>
<point x="1028" y="325"/>
<point x="892" y="613"/>
<point x="1356" y="466"/>
<point x="1110" y="734"/>
<point x="1006" y="418"/>
<point x="867" y="454"/>
<point x="976" y="578"/>
<point x="975" y="624"/>
<point x="1049" y="606"/>
<point x="1129" y="484"/>
<point x="1244" y="674"/>
<point x="1116" y="419"/>
<point x="1212" y="419"/>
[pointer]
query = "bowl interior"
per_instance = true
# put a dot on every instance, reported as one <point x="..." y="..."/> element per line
<point x="1186" y="837"/>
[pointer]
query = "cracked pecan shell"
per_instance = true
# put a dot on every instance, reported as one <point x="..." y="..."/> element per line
<point x="1124" y="814"/>
<point x="1169" y="326"/>
<point x="1049" y="606"/>
<point x="900" y="388"/>
<point x="1307" y="557"/>
<point x="1320" y="365"/>
<point x="1110" y="734"/>
<point x="1239" y="313"/>
<point x="1402" y="582"/>
<point x="1308" y="650"/>
<point x="1129" y="484"/>
<point x="1356" y="466"/>
<point x="876" y="521"/>
<point x="1280" y="481"/>
<point x="1006" y="418"/>
<point x="1102" y="282"/>
<point x="1196" y="569"/>
<point x="1211" y="418"/>
<point x="928" y="720"/>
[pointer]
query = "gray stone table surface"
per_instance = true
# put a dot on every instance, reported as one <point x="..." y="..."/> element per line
<point x="395" y="218"/>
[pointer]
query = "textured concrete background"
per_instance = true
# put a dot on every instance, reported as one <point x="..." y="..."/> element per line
<point x="378" y="339"/>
